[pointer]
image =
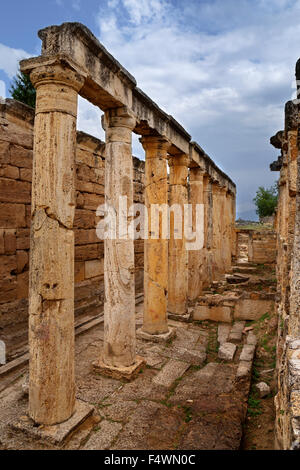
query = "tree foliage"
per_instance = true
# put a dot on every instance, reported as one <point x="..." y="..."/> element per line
<point x="266" y="200"/>
<point x="23" y="90"/>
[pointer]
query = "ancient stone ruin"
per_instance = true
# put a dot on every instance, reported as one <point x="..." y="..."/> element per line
<point x="132" y="342"/>
<point x="287" y="226"/>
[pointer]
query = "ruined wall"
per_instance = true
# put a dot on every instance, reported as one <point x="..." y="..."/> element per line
<point x="16" y="142"/>
<point x="261" y="245"/>
<point x="287" y="226"/>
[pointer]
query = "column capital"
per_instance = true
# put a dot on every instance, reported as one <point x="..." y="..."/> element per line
<point x="153" y="142"/>
<point x="59" y="69"/>
<point x="119" y="117"/>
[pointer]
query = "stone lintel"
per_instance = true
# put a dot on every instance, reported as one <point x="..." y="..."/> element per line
<point x="109" y="84"/>
<point x="199" y="158"/>
<point x="119" y="373"/>
<point x="55" y="434"/>
<point x="162" y="338"/>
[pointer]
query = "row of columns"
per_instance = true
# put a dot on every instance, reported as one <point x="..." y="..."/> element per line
<point x="51" y="293"/>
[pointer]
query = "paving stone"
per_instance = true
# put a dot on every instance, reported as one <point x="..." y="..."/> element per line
<point x="223" y="333"/>
<point x="247" y="353"/>
<point x="244" y="369"/>
<point x="263" y="389"/>
<point x="170" y="372"/>
<point x="195" y="357"/>
<point x="103" y="438"/>
<point x="251" y="339"/>
<point x="117" y="409"/>
<point x="227" y="351"/>
<point x="236" y="333"/>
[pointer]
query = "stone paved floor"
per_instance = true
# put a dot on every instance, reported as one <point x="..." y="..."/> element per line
<point x="184" y="398"/>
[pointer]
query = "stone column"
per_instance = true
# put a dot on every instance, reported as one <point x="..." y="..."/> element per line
<point x="119" y="353"/>
<point x="217" y="224"/>
<point x="51" y="287"/>
<point x="196" y="258"/>
<point x="208" y="229"/>
<point x="233" y="229"/>
<point x="226" y="232"/>
<point x="178" y="255"/>
<point x="155" y="326"/>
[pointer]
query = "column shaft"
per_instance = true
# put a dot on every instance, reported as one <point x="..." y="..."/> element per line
<point x="119" y="308"/>
<point x="178" y="255"/>
<point x="156" y="250"/>
<point x="196" y="258"/>
<point x="209" y="226"/>
<point x="51" y="288"/>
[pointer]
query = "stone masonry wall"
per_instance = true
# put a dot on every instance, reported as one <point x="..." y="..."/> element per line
<point x="287" y="400"/>
<point x="16" y="142"/>
<point x="261" y="247"/>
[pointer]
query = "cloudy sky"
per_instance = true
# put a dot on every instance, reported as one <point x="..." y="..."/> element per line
<point x="222" y="68"/>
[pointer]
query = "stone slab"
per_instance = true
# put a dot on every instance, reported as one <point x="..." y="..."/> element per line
<point x="236" y="333"/>
<point x="244" y="369"/>
<point x="223" y="333"/>
<point x="170" y="372"/>
<point x="119" y="373"/>
<point x="251" y="338"/>
<point x="103" y="438"/>
<point x="227" y="351"/>
<point x="57" y="433"/>
<point x="156" y="338"/>
<point x="247" y="353"/>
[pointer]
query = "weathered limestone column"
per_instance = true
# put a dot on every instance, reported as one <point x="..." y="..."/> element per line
<point x="51" y="288"/>
<point x="208" y="229"/>
<point x="178" y="255"/>
<point x="227" y="231"/>
<point x="233" y="229"/>
<point x="155" y="326"/>
<point x="119" y="353"/>
<point x="217" y="228"/>
<point x="196" y="258"/>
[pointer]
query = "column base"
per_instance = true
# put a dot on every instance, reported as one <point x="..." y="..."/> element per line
<point x="163" y="338"/>
<point x="55" y="434"/>
<point x="119" y="373"/>
<point x="183" y="317"/>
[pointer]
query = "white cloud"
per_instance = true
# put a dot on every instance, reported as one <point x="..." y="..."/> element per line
<point x="9" y="59"/>
<point x="89" y="119"/>
<point x="224" y="72"/>
<point x="2" y="90"/>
